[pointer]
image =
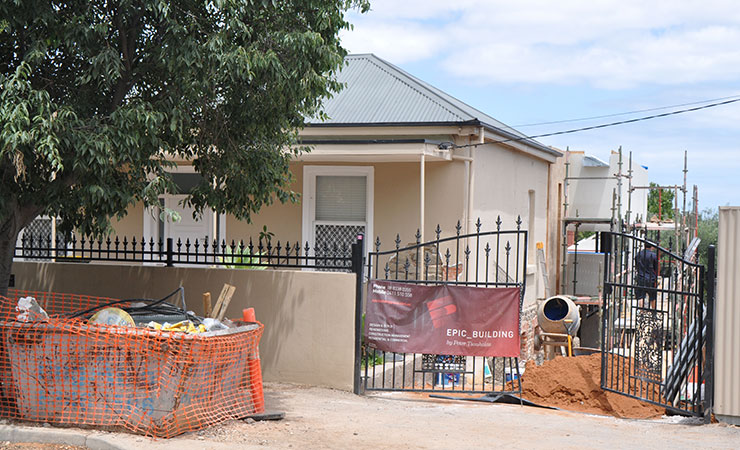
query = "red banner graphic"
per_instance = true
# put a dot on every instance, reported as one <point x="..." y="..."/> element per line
<point x="442" y="320"/>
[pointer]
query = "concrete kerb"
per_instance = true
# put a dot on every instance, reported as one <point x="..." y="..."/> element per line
<point x="44" y="435"/>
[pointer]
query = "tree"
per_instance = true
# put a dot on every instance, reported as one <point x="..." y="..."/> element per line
<point x="665" y="211"/>
<point x="708" y="232"/>
<point x="98" y="97"/>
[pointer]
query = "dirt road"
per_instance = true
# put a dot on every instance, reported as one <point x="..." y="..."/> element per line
<point x="327" y="419"/>
<point x="318" y="418"/>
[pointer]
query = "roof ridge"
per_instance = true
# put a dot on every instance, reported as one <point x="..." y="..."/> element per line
<point x="409" y="85"/>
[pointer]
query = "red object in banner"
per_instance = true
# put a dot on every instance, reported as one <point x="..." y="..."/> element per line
<point x="442" y="320"/>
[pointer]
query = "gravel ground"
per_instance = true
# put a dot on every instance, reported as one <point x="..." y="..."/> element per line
<point x="317" y="418"/>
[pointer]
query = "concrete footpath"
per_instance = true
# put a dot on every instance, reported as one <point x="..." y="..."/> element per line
<point x="48" y="434"/>
<point x="318" y="418"/>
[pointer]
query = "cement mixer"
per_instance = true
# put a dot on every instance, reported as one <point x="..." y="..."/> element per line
<point x="559" y="319"/>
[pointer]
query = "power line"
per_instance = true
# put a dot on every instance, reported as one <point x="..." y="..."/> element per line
<point x="605" y="125"/>
<point x="623" y="113"/>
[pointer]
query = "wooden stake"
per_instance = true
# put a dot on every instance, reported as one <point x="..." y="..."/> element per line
<point x="206" y="304"/>
<point x="219" y="311"/>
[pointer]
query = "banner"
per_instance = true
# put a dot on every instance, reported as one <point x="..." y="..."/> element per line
<point x="442" y="320"/>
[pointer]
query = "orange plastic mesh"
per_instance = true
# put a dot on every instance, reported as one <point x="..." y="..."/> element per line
<point x="157" y="383"/>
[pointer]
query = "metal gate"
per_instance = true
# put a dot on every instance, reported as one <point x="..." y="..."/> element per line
<point x="483" y="259"/>
<point x="654" y="325"/>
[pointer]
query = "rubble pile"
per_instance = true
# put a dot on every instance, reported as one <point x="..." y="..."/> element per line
<point x="574" y="384"/>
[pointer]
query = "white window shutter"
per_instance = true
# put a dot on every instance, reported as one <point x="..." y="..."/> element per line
<point x="341" y="198"/>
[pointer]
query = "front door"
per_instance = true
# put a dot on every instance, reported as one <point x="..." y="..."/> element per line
<point x="338" y="204"/>
<point x="187" y="228"/>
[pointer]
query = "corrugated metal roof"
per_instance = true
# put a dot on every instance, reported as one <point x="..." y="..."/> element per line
<point x="592" y="161"/>
<point x="377" y="92"/>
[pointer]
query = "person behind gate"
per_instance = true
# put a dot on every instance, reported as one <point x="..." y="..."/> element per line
<point x="646" y="276"/>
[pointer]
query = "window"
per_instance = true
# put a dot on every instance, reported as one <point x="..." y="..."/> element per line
<point x="337" y="206"/>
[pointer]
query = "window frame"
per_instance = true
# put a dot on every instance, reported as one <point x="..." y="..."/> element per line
<point x="309" y="199"/>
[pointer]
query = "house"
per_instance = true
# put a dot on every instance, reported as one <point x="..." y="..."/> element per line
<point x="396" y="155"/>
<point x="405" y="156"/>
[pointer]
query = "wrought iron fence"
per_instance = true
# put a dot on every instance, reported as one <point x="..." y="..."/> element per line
<point x="655" y="325"/>
<point x="172" y="252"/>
<point x="490" y="259"/>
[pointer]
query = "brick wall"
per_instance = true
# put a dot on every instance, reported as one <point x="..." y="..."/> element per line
<point x="529" y="322"/>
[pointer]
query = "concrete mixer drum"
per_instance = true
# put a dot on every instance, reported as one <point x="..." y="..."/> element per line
<point x="558" y="320"/>
<point x="559" y="314"/>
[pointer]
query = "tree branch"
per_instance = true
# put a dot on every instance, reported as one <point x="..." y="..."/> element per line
<point x="127" y="44"/>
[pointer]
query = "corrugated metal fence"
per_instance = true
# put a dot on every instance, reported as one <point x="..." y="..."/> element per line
<point x="727" y="318"/>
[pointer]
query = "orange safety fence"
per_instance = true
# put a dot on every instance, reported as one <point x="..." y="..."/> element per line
<point x="67" y="371"/>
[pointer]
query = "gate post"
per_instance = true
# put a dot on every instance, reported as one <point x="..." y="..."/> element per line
<point x="357" y="269"/>
<point x="709" y="360"/>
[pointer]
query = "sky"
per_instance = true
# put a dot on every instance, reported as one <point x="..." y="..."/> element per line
<point x="529" y="62"/>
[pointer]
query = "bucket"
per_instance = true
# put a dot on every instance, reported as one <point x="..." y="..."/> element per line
<point x="511" y="374"/>
<point x="447" y="379"/>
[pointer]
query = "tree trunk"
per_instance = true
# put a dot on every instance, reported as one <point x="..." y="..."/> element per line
<point x="8" y="235"/>
<point x="13" y="223"/>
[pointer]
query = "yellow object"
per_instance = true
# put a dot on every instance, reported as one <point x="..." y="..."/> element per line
<point x="568" y="323"/>
<point x="112" y="316"/>
<point x="184" y="326"/>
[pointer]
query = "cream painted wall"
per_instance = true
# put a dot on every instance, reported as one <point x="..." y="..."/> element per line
<point x="553" y="248"/>
<point x="308" y="316"/>
<point x="283" y="219"/>
<point x="396" y="202"/>
<point x="593" y="198"/>
<point x="132" y="224"/>
<point x="503" y="179"/>
<point x="396" y="207"/>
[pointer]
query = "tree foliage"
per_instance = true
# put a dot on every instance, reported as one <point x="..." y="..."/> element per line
<point x="708" y="231"/>
<point x="97" y="98"/>
<point x="665" y="210"/>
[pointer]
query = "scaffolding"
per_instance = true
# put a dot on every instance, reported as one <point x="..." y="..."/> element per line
<point x="684" y="225"/>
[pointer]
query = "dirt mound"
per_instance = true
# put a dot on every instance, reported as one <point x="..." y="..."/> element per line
<point x="574" y="384"/>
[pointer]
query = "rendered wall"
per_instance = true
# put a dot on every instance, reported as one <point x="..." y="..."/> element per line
<point x="396" y="204"/>
<point x="283" y="219"/>
<point x="132" y="224"/>
<point x="553" y="245"/>
<point x="503" y="181"/>
<point x="308" y="316"/>
<point x="727" y="318"/>
<point x="592" y="198"/>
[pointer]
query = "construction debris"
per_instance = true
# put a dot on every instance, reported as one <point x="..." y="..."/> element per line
<point x="147" y="366"/>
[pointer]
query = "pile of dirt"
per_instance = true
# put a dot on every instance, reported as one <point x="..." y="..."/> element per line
<point x="574" y="384"/>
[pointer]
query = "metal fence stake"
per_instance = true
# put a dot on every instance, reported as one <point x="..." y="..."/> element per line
<point x="357" y="269"/>
<point x="169" y="252"/>
<point x="709" y="364"/>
